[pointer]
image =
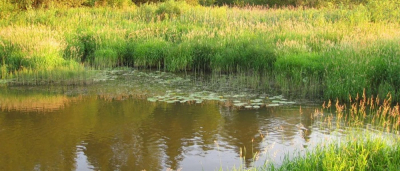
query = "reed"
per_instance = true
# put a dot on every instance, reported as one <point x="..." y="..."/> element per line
<point x="329" y="52"/>
<point x="367" y="154"/>
<point x="369" y="129"/>
<point x="370" y="142"/>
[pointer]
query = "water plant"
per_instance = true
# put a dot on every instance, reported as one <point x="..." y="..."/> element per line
<point x="366" y="134"/>
<point x="327" y="52"/>
<point x="370" y="142"/>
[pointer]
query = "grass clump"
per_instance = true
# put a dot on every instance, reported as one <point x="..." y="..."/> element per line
<point x="151" y="53"/>
<point x="33" y="54"/>
<point x="365" y="154"/>
<point x="370" y="144"/>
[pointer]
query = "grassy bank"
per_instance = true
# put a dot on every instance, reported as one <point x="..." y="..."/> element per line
<point x="365" y="137"/>
<point x="330" y="52"/>
<point x="367" y="154"/>
<point x="362" y="148"/>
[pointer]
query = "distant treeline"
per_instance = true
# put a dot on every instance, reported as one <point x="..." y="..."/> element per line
<point x="28" y="4"/>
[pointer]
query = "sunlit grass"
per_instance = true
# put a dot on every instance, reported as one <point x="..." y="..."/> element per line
<point x="330" y="52"/>
<point x="366" y="135"/>
<point x="354" y="154"/>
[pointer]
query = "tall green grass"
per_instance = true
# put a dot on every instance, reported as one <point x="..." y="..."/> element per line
<point x="371" y="141"/>
<point x="365" y="154"/>
<point x="365" y="135"/>
<point x="330" y="52"/>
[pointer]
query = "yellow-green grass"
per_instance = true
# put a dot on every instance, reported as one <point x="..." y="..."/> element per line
<point x="366" y="135"/>
<point x="326" y="52"/>
<point x="354" y="154"/>
<point x="361" y="148"/>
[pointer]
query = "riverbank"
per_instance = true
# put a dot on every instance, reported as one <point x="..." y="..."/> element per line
<point x="368" y="143"/>
<point x="330" y="52"/>
<point x="375" y="148"/>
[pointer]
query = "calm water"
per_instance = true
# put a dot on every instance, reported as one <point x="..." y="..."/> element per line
<point x="110" y="125"/>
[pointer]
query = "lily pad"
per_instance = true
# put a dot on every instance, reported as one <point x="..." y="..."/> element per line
<point x="256" y="100"/>
<point x="151" y="99"/>
<point x="276" y="97"/>
<point x="257" y="104"/>
<point x="283" y="102"/>
<point x="239" y="104"/>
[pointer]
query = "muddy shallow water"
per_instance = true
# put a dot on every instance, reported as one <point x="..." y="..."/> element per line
<point x="131" y="120"/>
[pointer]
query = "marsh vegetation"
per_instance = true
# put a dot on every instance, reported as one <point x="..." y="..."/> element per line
<point x="329" y="52"/>
<point x="233" y="60"/>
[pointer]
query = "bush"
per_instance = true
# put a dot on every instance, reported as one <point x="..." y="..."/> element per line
<point x="170" y="9"/>
<point x="111" y="3"/>
<point x="147" y="11"/>
<point x="384" y="10"/>
<point x="6" y="8"/>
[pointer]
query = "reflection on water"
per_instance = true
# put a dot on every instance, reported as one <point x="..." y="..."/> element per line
<point x="28" y="101"/>
<point x="109" y="127"/>
<point x="134" y="134"/>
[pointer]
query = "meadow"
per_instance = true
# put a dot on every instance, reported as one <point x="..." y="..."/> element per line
<point x="329" y="52"/>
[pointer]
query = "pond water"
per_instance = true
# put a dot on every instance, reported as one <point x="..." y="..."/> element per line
<point x="131" y="120"/>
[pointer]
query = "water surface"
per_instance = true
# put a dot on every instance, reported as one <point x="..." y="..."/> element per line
<point x="111" y="125"/>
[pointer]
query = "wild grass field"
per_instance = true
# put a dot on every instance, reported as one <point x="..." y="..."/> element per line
<point x="342" y="49"/>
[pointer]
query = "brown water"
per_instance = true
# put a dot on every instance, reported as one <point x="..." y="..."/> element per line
<point x="110" y="125"/>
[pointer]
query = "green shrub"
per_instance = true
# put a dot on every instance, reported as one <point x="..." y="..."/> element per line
<point x="75" y="48"/>
<point x="207" y="2"/>
<point x="119" y="3"/>
<point x="6" y="9"/>
<point x="147" y="11"/>
<point x="14" y="60"/>
<point x="170" y="9"/>
<point x="86" y="46"/>
<point x="384" y="10"/>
